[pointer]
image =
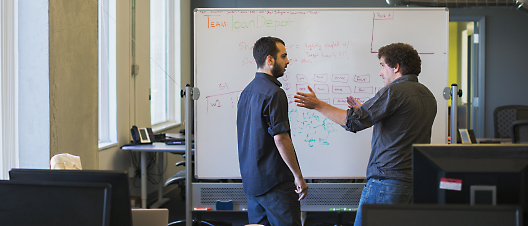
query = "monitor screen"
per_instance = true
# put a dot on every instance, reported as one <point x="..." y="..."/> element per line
<point x="143" y="134"/>
<point x="120" y="212"/>
<point x="54" y="203"/>
<point x="471" y="174"/>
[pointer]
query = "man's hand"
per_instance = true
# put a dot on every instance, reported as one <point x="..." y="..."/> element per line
<point x="353" y="103"/>
<point x="287" y="153"/>
<point x="310" y="101"/>
<point x="307" y="100"/>
<point x="302" y="188"/>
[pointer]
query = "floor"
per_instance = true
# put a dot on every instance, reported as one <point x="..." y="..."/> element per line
<point x="176" y="208"/>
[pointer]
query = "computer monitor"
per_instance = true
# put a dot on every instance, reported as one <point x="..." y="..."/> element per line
<point x="54" y="203"/>
<point x="471" y="174"/>
<point x="120" y="212"/>
<point x="440" y="215"/>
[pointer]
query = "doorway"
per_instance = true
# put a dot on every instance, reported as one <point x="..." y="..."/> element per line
<point x="466" y="69"/>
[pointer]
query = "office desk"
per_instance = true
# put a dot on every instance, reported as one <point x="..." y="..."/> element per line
<point x="155" y="147"/>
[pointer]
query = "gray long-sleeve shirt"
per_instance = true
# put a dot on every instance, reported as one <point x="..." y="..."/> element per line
<point x="402" y="114"/>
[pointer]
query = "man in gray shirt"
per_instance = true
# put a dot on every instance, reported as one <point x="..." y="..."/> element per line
<point x="402" y="114"/>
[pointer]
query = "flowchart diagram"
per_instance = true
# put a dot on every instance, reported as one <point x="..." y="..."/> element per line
<point x="308" y="125"/>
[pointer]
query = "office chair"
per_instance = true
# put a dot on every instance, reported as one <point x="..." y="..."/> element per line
<point x="179" y="179"/>
<point x="504" y="116"/>
<point x="519" y="130"/>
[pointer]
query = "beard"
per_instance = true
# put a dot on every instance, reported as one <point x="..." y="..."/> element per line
<point x="277" y="71"/>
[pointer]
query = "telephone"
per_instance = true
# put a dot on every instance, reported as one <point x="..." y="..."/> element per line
<point x="142" y="135"/>
<point x="466" y="136"/>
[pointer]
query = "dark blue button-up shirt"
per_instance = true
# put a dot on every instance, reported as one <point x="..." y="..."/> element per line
<point x="262" y="114"/>
<point x="402" y="114"/>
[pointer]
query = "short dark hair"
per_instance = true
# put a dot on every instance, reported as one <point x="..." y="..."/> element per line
<point x="265" y="46"/>
<point x="404" y="55"/>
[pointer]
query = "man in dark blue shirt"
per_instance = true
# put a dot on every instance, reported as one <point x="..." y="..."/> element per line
<point x="269" y="168"/>
<point x="402" y="114"/>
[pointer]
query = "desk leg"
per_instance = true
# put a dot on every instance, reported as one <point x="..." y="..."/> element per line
<point x="161" y="200"/>
<point x="143" y="180"/>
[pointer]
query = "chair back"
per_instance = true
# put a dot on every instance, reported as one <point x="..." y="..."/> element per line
<point x="504" y="116"/>
<point x="519" y="130"/>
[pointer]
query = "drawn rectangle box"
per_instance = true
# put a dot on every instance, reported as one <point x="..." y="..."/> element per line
<point x="362" y="78"/>
<point x="226" y="100"/>
<point x="340" y="78"/>
<point x="340" y="101"/>
<point x="384" y="15"/>
<point x="341" y="90"/>
<point x="359" y="89"/>
<point x="362" y="100"/>
<point x="303" y="88"/>
<point x="301" y="78"/>
<point x="321" y="89"/>
<point x="321" y="78"/>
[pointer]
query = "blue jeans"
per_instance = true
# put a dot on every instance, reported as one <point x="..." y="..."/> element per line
<point x="278" y="206"/>
<point x="384" y="191"/>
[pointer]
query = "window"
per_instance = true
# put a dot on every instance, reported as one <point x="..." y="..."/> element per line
<point x="107" y="73"/>
<point x="8" y="87"/>
<point x="165" y="63"/>
<point x="33" y="84"/>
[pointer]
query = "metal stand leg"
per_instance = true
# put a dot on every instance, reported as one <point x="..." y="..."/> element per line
<point x="143" y="180"/>
<point x="188" y="157"/>
<point x="455" y="93"/>
<point x="161" y="200"/>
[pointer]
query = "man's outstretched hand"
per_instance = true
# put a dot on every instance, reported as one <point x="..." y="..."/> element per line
<point x="307" y="100"/>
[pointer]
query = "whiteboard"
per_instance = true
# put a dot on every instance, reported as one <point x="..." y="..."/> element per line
<point x="332" y="50"/>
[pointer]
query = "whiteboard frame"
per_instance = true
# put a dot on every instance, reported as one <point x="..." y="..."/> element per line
<point x="324" y="9"/>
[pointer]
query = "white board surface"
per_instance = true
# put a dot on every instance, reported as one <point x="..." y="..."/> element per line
<point x="332" y="50"/>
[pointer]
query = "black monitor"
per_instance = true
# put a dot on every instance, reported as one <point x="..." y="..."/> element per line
<point x="54" y="203"/>
<point x="440" y="215"/>
<point x="471" y="174"/>
<point x="120" y="212"/>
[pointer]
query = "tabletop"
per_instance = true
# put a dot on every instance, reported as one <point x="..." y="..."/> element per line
<point x="157" y="146"/>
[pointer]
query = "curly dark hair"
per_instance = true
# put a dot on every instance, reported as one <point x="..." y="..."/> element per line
<point x="404" y="55"/>
<point x="265" y="46"/>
